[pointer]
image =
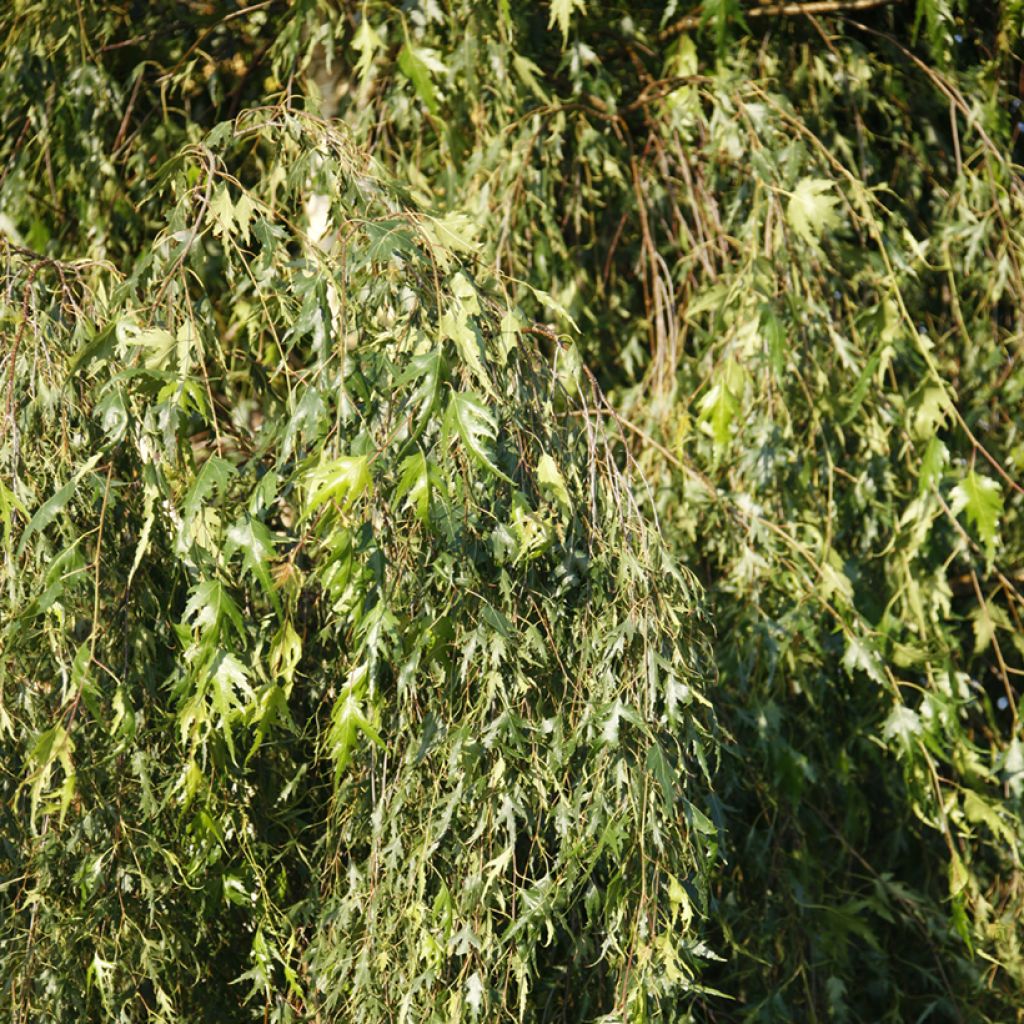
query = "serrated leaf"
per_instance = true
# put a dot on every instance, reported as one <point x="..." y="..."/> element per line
<point x="222" y="211"/>
<point x="933" y="462"/>
<point x="532" y="535"/>
<point x="387" y="237"/>
<point x="52" y="507"/>
<point x="348" y="720"/>
<point x="1013" y="767"/>
<point x="344" y="479"/>
<point x="930" y="409"/>
<point x="475" y="994"/>
<point x="958" y="874"/>
<point x="214" y="475"/>
<point x="157" y="343"/>
<point x="530" y="75"/>
<point x="811" y="211"/>
<point x="366" y="42"/>
<point x="902" y="725"/>
<point x="700" y="821"/>
<point x="453" y="232"/>
<point x="150" y="495"/>
<point x="561" y="15"/>
<point x="415" y="64"/>
<point x="979" y="811"/>
<point x="551" y="482"/>
<point x="508" y="334"/>
<point x="414" y="484"/>
<point x="860" y="656"/>
<point x="425" y="371"/>
<point x="468" y="418"/>
<point x="52" y="747"/>
<point x="256" y="543"/>
<point x="982" y="500"/>
<point x="720" y="404"/>
<point x="658" y="765"/>
<point x="285" y="652"/>
<point x="550" y="302"/>
<point x="270" y="708"/>
<point x="229" y="683"/>
<point x="455" y="324"/>
<point x="720" y="14"/>
<point x="244" y="210"/>
<point x="101" y="973"/>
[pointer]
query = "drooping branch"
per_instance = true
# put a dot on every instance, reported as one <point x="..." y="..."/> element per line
<point x="692" y="21"/>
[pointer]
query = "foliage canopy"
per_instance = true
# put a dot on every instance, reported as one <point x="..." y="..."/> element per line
<point x="361" y="660"/>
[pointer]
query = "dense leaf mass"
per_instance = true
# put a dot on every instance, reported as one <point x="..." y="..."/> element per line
<point x="511" y="512"/>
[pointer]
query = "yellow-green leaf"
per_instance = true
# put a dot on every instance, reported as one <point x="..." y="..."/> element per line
<point x="982" y="500"/>
<point x="551" y="481"/>
<point x="811" y="210"/>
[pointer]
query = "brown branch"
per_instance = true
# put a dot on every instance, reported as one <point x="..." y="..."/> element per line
<point x="692" y="21"/>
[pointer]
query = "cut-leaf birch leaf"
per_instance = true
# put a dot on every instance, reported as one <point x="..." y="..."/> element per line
<point x="344" y="479"/>
<point x="366" y="42"/>
<point x="980" y="497"/>
<point x="811" y="211"/>
<point x="414" y="484"/>
<point x="550" y="478"/>
<point x="230" y="690"/>
<point x="561" y="15"/>
<point x="470" y="420"/>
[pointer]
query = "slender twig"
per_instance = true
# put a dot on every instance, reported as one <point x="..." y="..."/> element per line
<point x="692" y="21"/>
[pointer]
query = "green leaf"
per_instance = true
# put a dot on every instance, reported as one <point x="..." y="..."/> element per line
<point x="720" y="14"/>
<point x="532" y="534"/>
<point x="222" y="210"/>
<point x="902" y="725"/>
<point x="151" y="493"/>
<point x="416" y="64"/>
<point x="811" y="211"/>
<point x="561" y="15"/>
<point x="54" y="746"/>
<point x="930" y="409"/>
<point x="285" y="652"/>
<point x="550" y="302"/>
<point x="658" y="765"/>
<point x="158" y="344"/>
<point x="54" y="505"/>
<point x="366" y="42"/>
<point x="979" y="811"/>
<point x="425" y="370"/>
<point x="860" y="655"/>
<point x="455" y="324"/>
<point x="454" y="232"/>
<point x="933" y="462"/>
<point x="700" y="821"/>
<point x="469" y="419"/>
<point x="209" y="604"/>
<point x="720" y="404"/>
<point x="958" y="874"/>
<point x="551" y="481"/>
<point x="530" y="75"/>
<point x="214" y="475"/>
<point x="414" y="484"/>
<point x="387" y="237"/>
<point x="229" y="683"/>
<point x="981" y="499"/>
<point x="256" y="543"/>
<point x="344" y="479"/>
<point x="349" y="720"/>
<point x="244" y="210"/>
